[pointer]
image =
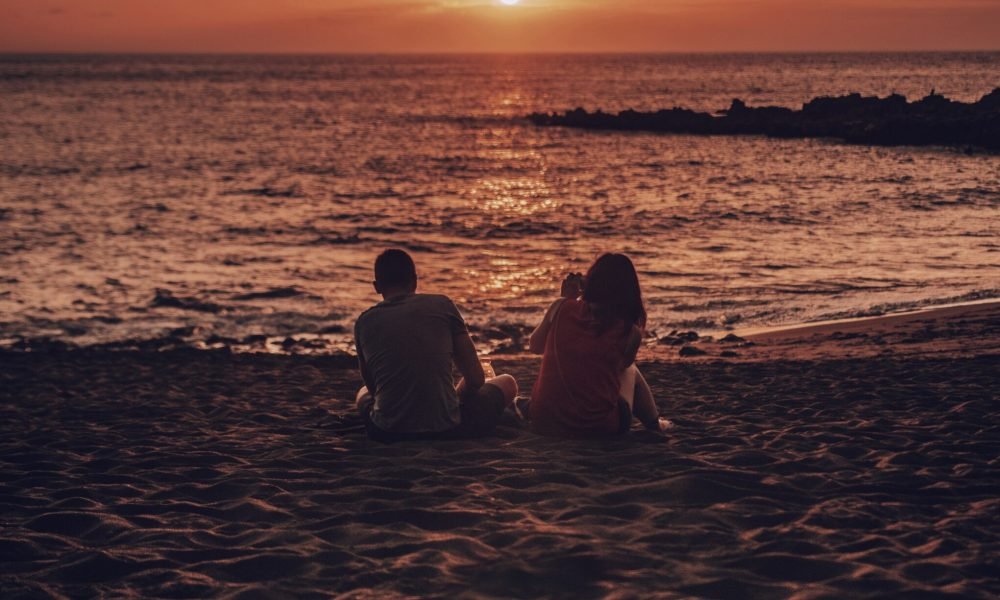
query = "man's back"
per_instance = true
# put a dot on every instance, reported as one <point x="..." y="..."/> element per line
<point x="407" y="344"/>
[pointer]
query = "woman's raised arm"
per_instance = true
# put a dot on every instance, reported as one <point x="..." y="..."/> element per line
<point x="571" y="289"/>
<point x="536" y="343"/>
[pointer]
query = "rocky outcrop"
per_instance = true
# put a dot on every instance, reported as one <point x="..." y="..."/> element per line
<point x="891" y="121"/>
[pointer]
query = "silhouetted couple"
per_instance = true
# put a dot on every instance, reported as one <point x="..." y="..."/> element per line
<point x="588" y="385"/>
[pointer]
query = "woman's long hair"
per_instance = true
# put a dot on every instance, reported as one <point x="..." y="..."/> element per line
<point x="612" y="288"/>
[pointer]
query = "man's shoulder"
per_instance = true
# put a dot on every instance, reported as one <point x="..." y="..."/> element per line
<point x="421" y="301"/>
<point x="369" y="314"/>
<point x="417" y="302"/>
<point x="365" y="313"/>
<point x="436" y="299"/>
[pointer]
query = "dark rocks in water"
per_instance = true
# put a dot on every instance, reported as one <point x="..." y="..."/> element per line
<point x="675" y="120"/>
<point x="189" y="339"/>
<point x="732" y="338"/>
<point x="40" y="345"/>
<point x="691" y="351"/>
<point x="75" y="330"/>
<point x="337" y="240"/>
<point x="502" y="331"/>
<point x="501" y="338"/>
<point x="857" y="119"/>
<point x="221" y="341"/>
<point x="183" y="332"/>
<point x="729" y="354"/>
<point x="166" y="298"/>
<point x="511" y="347"/>
<point x="676" y="338"/>
<point x="281" y="292"/>
<point x="333" y="329"/>
<point x="290" y="344"/>
<point x="292" y="191"/>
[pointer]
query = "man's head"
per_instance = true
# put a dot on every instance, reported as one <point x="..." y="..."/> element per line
<point x="395" y="273"/>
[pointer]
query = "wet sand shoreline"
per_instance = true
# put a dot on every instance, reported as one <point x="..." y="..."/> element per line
<point x="959" y="330"/>
<point x="821" y="467"/>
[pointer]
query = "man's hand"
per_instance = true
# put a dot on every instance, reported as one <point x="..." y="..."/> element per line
<point x="572" y="286"/>
<point x="468" y="363"/>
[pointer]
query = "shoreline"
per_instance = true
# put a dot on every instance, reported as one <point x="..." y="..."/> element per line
<point x="956" y="330"/>
<point x="492" y="347"/>
<point x="967" y="329"/>
<point x="942" y="309"/>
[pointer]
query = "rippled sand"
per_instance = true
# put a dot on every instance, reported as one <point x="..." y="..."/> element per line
<point x="188" y="474"/>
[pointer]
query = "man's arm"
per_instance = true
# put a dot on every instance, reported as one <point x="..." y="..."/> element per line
<point x="467" y="362"/>
<point x="366" y="376"/>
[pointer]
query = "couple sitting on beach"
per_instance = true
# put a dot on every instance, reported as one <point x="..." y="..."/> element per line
<point x="588" y="385"/>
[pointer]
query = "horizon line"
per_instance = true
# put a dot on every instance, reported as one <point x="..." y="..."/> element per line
<point x="482" y="52"/>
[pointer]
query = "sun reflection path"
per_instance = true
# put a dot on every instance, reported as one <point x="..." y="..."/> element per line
<point x="508" y="279"/>
<point x="514" y="197"/>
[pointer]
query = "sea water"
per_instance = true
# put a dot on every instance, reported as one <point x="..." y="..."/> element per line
<point x="218" y="198"/>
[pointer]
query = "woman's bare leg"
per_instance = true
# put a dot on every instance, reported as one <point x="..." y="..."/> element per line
<point x="627" y="386"/>
<point x="639" y="397"/>
<point x="645" y="407"/>
<point x="360" y="397"/>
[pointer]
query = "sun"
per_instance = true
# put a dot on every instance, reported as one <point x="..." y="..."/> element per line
<point x="510" y="2"/>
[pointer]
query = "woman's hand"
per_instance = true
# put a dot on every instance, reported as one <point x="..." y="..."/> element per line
<point x="572" y="286"/>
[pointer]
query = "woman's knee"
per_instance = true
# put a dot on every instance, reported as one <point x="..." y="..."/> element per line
<point x="360" y="397"/>
<point x="507" y="384"/>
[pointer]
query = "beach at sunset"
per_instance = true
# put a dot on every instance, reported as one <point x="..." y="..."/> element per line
<point x="825" y="463"/>
<point x="648" y="299"/>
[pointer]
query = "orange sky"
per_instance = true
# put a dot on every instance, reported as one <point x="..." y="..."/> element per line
<point x="488" y="26"/>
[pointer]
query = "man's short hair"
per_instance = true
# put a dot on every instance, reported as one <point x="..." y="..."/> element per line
<point x="394" y="268"/>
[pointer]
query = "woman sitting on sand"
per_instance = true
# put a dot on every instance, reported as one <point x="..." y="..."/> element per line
<point x="589" y="385"/>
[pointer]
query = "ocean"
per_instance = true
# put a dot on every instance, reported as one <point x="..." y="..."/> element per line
<point x="240" y="200"/>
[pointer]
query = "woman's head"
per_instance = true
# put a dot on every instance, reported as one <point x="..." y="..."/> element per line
<point x="612" y="285"/>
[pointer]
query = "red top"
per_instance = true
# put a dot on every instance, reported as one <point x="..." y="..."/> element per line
<point x="578" y="396"/>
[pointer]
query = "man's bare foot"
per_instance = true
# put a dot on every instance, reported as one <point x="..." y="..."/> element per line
<point x="660" y="424"/>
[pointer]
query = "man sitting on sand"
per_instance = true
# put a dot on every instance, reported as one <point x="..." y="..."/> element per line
<point x="406" y="347"/>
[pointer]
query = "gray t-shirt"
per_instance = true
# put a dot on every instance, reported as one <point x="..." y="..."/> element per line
<point x="407" y="344"/>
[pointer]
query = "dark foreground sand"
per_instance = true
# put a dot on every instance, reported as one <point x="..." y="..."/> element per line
<point x="191" y="474"/>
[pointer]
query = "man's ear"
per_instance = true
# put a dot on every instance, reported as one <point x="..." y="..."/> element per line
<point x="378" y="288"/>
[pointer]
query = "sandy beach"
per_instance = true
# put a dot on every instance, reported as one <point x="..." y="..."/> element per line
<point x="806" y="472"/>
